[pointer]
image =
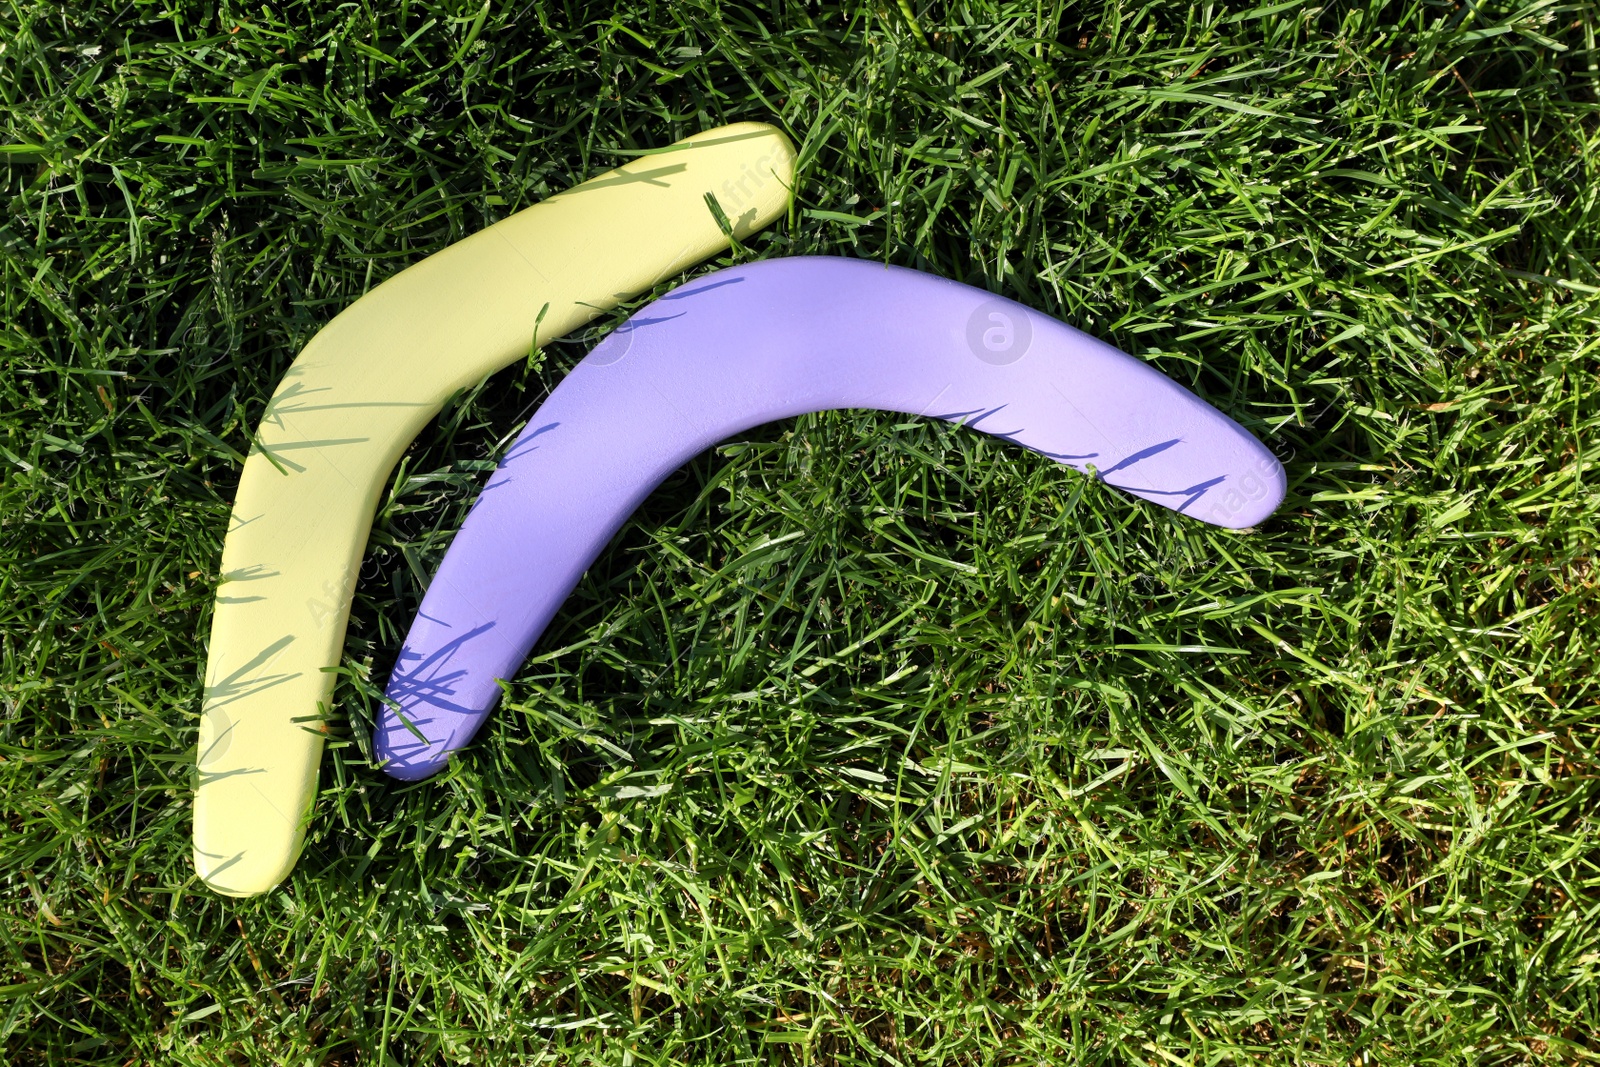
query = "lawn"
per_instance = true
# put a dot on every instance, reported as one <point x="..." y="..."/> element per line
<point x="869" y="740"/>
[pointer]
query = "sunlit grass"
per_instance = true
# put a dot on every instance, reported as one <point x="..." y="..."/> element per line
<point x="936" y="752"/>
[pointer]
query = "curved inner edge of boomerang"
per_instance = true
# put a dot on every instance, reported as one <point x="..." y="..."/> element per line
<point x="428" y="683"/>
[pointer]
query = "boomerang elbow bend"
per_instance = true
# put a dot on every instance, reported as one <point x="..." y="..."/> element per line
<point x="353" y="399"/>
<point x="748" y="345"/>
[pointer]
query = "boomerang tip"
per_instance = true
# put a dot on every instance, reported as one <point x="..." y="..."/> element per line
<point x="246" y="838"/>
<point x="1251" y="492"/>
<point x="250" y="866"/>
<point x="426" y="723"/>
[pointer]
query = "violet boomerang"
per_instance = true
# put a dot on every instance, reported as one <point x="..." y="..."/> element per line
<point x="749" y="345"/>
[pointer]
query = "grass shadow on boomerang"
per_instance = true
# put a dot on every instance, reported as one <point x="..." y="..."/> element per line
<point x="749" y="345"/>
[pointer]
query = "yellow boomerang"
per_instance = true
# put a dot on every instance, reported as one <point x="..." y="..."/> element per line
<point x="345" y="411"/>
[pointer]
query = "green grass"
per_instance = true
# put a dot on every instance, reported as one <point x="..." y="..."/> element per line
<point x="936" y="752"/>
